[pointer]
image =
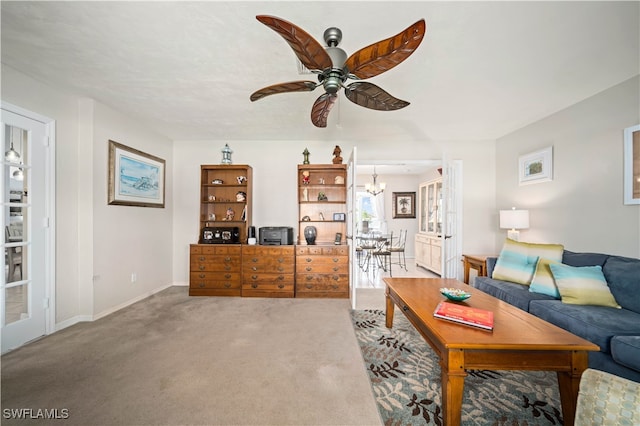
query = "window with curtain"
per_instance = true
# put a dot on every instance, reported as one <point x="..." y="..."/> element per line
<point x="370" y="212"/>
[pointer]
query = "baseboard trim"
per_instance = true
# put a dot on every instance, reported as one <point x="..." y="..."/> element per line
<point x="130" y="302"/>
<point x="89" y="318"/>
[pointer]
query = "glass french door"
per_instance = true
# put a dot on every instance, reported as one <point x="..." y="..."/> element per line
<point x="23" y="295"/>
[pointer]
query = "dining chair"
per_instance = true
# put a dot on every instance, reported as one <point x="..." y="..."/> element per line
<point x="14" y="257"/>
<point x="399" y="248"/>
<point x="382" y="254"/>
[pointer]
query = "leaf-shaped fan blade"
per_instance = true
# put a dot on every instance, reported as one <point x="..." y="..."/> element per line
<point x="293" y="86"/>
<point x="321" y="109"/>
<point x="386" y="54"/>
<point x="373" y="97"/>
<point x="307" y="49"/>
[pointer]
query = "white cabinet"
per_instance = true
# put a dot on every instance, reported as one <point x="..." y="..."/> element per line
<point x="428" y="249"/>
<point x="428" y="243"/>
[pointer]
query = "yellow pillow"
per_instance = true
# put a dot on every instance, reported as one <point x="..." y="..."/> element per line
<point x="517" y="260"/>
<point x="584" y="285"/>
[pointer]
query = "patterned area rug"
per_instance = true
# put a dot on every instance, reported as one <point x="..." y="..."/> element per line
<point x="405" y="378"/>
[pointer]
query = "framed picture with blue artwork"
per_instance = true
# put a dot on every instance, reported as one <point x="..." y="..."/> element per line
<point x="135" y="178"/>
<point x="536" y="167"/>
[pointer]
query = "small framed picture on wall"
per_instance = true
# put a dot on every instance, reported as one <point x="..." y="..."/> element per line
<point x="404" y="205"/>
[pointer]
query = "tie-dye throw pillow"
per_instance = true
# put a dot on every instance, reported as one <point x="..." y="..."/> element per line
<point x="517" y="260"/>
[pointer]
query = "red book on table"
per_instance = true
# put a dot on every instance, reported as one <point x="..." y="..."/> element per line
<point x="464" y="315"/>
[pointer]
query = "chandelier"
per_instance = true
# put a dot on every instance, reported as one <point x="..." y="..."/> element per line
<point x="375" y="189"/>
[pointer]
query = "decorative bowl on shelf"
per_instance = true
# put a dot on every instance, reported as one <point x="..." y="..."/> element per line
<point x="455" y="294"/>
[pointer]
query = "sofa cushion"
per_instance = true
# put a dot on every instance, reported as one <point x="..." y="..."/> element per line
<point x="514" y="294"/>
<point x="597" y="324"/>
<point x="543" y="281"/>
<point x="582" y="285"/>
<point x="623" y="276"/>
<point x="625" y="350"/>
<point x="517" y="260"/>
<point x="583" y="259"/>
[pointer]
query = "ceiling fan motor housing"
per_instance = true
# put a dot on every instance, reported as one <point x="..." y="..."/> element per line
<point x="333" y="78"/>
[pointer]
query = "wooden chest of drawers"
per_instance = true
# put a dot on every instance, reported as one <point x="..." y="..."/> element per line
<point x="268" y="271"/>
<point x="322" y="271"/>
<point x="214" y="270"/>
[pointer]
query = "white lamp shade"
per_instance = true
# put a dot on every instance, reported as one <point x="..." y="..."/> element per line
<point x="514" y="219"/>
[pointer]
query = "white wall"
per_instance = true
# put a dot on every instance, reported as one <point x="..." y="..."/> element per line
<point x="274" y="185"/>
<point x="582" y="207"/>
<point x="128" y="239"/>
<point x="32" y="95"/>
<point x="93" y="239"/>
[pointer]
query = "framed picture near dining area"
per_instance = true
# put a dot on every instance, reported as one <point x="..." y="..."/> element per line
<point x="135" y="177"/>
<point x="404" y="205"/>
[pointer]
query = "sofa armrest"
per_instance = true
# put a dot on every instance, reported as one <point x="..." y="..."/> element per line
<point x="491" y="263"/>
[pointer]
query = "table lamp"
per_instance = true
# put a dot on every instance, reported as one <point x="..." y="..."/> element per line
<point x="513" y="220"/>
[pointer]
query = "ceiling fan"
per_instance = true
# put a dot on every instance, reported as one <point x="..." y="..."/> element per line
<point x="334" y="68"/>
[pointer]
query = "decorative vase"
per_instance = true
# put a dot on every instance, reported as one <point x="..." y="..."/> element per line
<point x="310" y="233"/>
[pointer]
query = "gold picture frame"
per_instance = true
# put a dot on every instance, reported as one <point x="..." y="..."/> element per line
<point x="135" y="177"/>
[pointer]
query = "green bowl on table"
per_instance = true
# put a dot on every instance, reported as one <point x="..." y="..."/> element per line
<point x="455" y="294"/>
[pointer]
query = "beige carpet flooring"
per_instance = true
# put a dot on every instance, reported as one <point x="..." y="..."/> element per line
<point x="172" y="359"/>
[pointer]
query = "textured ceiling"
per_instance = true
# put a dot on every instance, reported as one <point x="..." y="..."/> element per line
<point x="187" y="69"/>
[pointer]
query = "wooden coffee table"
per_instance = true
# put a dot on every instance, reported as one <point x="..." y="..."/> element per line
<point x="519" y="341"/>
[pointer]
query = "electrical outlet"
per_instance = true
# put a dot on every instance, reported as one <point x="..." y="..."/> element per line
<point x="134" y="277"/>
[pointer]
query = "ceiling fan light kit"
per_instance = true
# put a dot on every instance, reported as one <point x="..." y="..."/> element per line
<point x="334" y="67"/>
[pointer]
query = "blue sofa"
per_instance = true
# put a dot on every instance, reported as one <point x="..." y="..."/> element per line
<point x="616" y="331"/>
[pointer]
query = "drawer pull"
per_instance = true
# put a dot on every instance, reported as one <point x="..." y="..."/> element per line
<point x="255" y="268"/>
<point x="336" y="268"/>
<point x="201" y="285"/>
<point x="280" y="285"/>
<point x="336" y="259"/>
<point x="202" y="258"/>
<point x="280" y="269"/>
<point x="280" y="260"/>
<point x="227" y="259"/>
<point x="227" y="276"/>
<point x="309" y="277"/>
<point x="227" y="285"/>
<point x="254" y="277"/>
<point x="227" y="268"/>
<point x="280" y="277"/>
<point x="308" y="259"/>
<point x="309" y="286"/>
<point x="254" y="285"/>
<point x="202" y="275"/>
<point x="309" y="268"/>
<point x="254" y="259"/>
<point x="335" y="286"/>
<point x="202" y="267"/>
<point x="336" y="277"/>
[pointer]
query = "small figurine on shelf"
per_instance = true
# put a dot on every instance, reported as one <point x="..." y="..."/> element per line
<point x="306" y="156"/>
<point x="322" y="196"/>
<point x="305" y="177"/>
<point x="230" y="214"/>
<point x="241" y="179"/>
<point x="336" y="155"/>
<point x="241" y="196"/>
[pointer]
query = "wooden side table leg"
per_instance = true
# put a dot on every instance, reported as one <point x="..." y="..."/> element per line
<point x="569" y="385"/>
<point x="390" y="310"/>
<point x="453" y="374"/>
<point x="466" y="266"/>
